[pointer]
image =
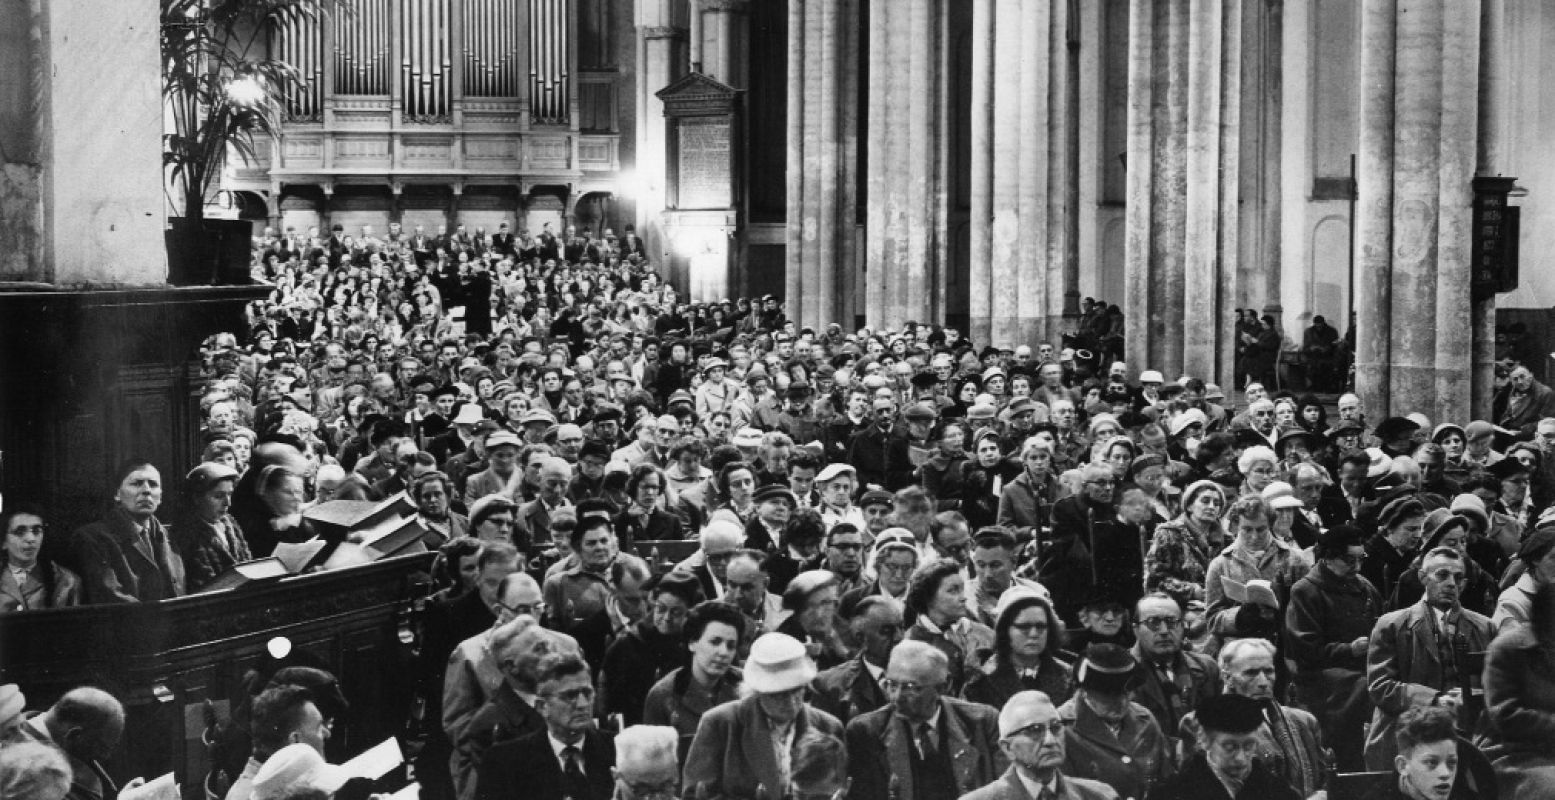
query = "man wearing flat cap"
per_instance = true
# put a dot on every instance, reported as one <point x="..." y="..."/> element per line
<point x="748" y="745"/>
<point x="1110" y="738"/>
<point x="1031" y="734"/>
<point x="207" y="537"/>
<point x="1225" y="768"/>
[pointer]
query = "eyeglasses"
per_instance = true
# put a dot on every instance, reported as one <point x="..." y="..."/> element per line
<point x="907" y="687"/>
<point x="523" y="609"/>
<point x="585" y="693"/>
<point x="1039" y="731"/>
<point x="1158" y="623"/>
<point x="661" y="610"/>
<point x="899" y="569"/>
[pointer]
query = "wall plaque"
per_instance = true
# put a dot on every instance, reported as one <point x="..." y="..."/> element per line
<point x="703" y="129"/>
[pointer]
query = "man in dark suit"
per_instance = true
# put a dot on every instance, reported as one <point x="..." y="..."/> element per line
<point x="569" y="759"/>
<point x="923" y="745"/>
<point x="880" y="452"/>
<point x="502" y="241"/>
<point x="127" y="556"/>
<point x="509" y="713"/>
<point x="1172" y="680"/>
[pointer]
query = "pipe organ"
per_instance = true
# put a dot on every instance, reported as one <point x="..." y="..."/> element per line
<point x="490" y="48"/>
<point x="549" y="68"/>
<point x="362" y="49"/>
<point x="299" y="41"/>
<point x="426" y="64"/>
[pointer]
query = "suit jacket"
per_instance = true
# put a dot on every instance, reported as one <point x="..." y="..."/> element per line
<point x="882" y="457"/>
<point x="879" y="749"/>
<point x="847" y="691"/>
<point x="1194" y="678"/>
<point x="503" y="718"/>
<point x="204" y="553"/>
<point x="1010" y="787"/>
<point x="527" y="768"/>
<point x="471" y="678"/>
<point x="732" y="751"/>
<point x="1132" y="762"/>
<point x="119" y="567"/>
<point x="481" y="484"/>
<point x="1404" y="652"/>
<point x="532" y="526"/>
<point x="31" y="594"/>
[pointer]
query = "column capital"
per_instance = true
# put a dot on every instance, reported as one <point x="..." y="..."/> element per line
<point x="652" y="32"/>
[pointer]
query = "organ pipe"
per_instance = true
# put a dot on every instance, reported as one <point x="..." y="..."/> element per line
<point x="548" y="57"/>
<point x="298" y="41"/>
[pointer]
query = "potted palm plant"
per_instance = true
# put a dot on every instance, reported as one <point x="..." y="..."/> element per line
<point x="222" y="89"/>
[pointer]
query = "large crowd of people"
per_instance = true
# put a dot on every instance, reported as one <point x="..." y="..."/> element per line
<point x="913" y="566"/>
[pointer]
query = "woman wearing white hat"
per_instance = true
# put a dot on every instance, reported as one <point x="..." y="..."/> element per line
<point x="746" y="747"/>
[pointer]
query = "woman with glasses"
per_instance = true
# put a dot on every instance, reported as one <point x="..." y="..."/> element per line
<point x="1259" y="466"/>
<point x="492" y="519"/>
<point x="713" y="634"/>
<point x="1255" y="553"/>
<point x="28" y="580"/>
<point x="1028" y="641"/>
<point x="1180" y="550"/>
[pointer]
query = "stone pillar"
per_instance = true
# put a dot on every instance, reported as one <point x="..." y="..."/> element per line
<point x="1022" y="172"/>
<point x="80" y="194"/>
<point x="823" y="119"/>
<point x="661" y="26"/>
<point x="904" y="247"/>
<point x="1419" y="111"/>
<point x="1492" y="161"/>
<point x="1184" y="84"/>
<point x="725" y="32"/>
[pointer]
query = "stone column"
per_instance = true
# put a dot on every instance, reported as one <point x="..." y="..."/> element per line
<point x="725" y="32"/>
<point x="1419" y="113"/>
<point x="82" y="192"/>
<point x="1022" y="171"/>
<point x="1492" y="161"/>
<point x="904" y="271"/>
<point x="661" y="26"/>
<point x="1182" y="186"/>
<point x="823" y="117"/>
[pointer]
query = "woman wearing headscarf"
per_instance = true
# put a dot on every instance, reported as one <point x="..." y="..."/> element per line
<point x="1028" y="640"/>
<point x="1181" y="549"/>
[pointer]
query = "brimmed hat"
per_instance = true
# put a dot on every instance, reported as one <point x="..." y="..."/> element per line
<point x="537" y="416"/>
<point x="835" y="469"/>
<point x="1229" y="713"/>
<point x="500" y="438"/>
<point x="204" y="476"/>
<point x="1182" y="421"/>
<point x="1395" y="426"/>
<point x="1440" y="432"/>
<point x="778" y="663"/>
<point x="981" y="411"/>
<point x="1346" y="427"/>
<point x="1281" y="495"/>
<point x="1471" y="507"/>
<point x="925" y="380"/>
<point x="875" y="497"/>
<point x="1151" y="376"/>
<point x="1380" y="464"/>
<point x="776" y="491"/>
<point x="714" y="363"/>
<point x="1213" y="392"/>
<point x="1478" y="429"/>
<point x="1018" y="594"/>
<point x="1507" y="468"/>
<point x="469" y="413"/>
<point x="1021" y="405"/>
<point x="1144" y="462"/>
<point x="1106" y="667"/>
<point x="296" y="766"/>
<point x="1296" y="434"/>
<point x="918" y="412"/>
<point x="746" y="437"/>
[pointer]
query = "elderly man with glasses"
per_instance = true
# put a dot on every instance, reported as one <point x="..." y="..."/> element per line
<point x="1031" y="736"/>
<point x="923" y="745"/>
<point x="1172" y="679"/>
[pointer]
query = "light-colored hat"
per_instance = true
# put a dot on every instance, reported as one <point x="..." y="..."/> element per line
<point x="1015" y="594"/>
<point x="747" y="437"/>
<point x="1380" y="462"/>
<point x="208" y="474"/>
<point x="469" y="414"/>
<point x="293" y="767"/>
<point x="1151" y="376"/>
<point x="1281" y="495"/>
<point x="1181" y="422"/>
<point x="1470" y="506"/>
<point x="537" y="415"/>
<point x="778" y="663"/>
<point x="500" y="437"/>
<point x="835" y="469"/>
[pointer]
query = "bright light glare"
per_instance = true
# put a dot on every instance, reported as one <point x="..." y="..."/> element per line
<point x="245" y="91"/>
<point x="279" y="647"/>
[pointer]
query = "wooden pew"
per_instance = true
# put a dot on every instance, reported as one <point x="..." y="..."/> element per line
<point x="165" y="660"/>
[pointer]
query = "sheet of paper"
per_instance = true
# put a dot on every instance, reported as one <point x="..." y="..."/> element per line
<point x="297" y="556"/>
<point x="162" y="788"/>
<point x="376" y="761"/>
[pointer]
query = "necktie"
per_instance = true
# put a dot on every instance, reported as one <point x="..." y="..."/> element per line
<point x="577" y="782"/>
<point x="926" y="741"/>
<point x="1168" y="689"/>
